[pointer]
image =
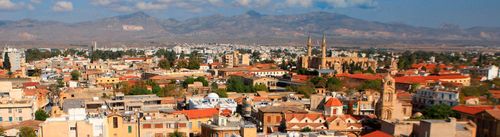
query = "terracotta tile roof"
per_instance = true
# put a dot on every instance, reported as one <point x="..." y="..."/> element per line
<point x="472" y="110"/>
<point x="404" y="79"/>
<point x="343" y="117"/>
<point x="299" y="117"/>
<point x="333" y="102"/>
<point x="303" y="125"/>
<point x="30" y="84"/>
<point x="128" y="77"/>
<point x="281" y="109"/>
<point x="494" y="113"/>
<point x="226" y="113"/>
<point x="198" y="113"/>
<point x="495" y="93"/>
<point x="362" y="76"/>
<point x="377" y="133"/>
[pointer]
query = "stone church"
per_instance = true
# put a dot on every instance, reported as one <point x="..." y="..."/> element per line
<point x="310" y="61"/>
<point x="389" y="107"/>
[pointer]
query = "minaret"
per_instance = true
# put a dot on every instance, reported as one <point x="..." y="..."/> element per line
<point x="323" y="52"/>
<point x="309" y="46"/>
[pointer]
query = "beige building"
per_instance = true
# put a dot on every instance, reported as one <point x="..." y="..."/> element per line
<point x="14" y="106"/>
<point x="236" y="59"/>
<point x="75" y="124"/>
<point x="389" y="107"/>
<point x="227" y="126"/>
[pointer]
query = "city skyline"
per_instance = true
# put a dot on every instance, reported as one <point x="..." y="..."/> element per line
<point x="425" y="13"/>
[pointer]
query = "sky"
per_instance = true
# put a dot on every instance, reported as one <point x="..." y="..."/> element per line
<point x="427" y="13"/>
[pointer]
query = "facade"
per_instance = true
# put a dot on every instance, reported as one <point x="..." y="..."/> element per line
<point x="236" y="59"/>
<point x="334" y="63"/>
<point x="212" y="100"/>
<point x="271" y="117"/>
<point x="389" y="107"/>
<point x="197" y="117"/>
<point x="429" y="128"/>
<point x="75" y="124"/>
<point x="436" y="95"/>
<point x="117" y="126"/>
<point x="159" y="125"/>
<point x="228" y="126"/>
<point x="16" y="58"/>
<point x="15" y="106"/>
<point x="320" y="122"/>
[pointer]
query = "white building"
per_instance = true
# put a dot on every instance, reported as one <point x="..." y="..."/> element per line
<point x="490" y="72"/>
<point x="435" y="96"/>
<point x="16" y="58"/>
<point x="212" y="100"/>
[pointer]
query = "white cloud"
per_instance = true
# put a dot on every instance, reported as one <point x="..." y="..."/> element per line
<point x="350" y="3"/>
<point x="9" y="5"/>
<point x="245" y="3"/>
<point x="303" y="3"/>
<point x="36" y="1"/>
<point x="61" y="6"/>
<point x="103" y="2"/>
<point x="150" y="6"/>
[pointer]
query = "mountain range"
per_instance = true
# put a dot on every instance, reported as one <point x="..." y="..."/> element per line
<point x="250" y="27"/>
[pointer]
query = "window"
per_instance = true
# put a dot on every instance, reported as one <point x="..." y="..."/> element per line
<point x="190" y="125"/>
<point x="146" y="126"/>
<point x="10" y="119"/>
<point x="10" y="110"/>
<point x="268" y="119"/>
<point x="20" y="118"/>
<point x="1" y="119"/>
<point x="72" y="128"/>
<point x="278" y="119"/>
<point x="158" y="125"/>
<point x="115" y="122"/>
<point x="20" y="110"/>
<point x="129" y="129"/>
<point x="199" y="124"/>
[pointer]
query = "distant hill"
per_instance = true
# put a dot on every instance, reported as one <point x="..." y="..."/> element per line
<point x="250" y="27"/>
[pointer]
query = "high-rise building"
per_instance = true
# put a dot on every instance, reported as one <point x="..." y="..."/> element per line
<point x="17" y="58"/>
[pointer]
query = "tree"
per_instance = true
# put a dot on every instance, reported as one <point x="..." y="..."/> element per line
<point x="176" y="134"/>
<point x="474" y="90"/>
<point x="260" y="87"/>
<point x="2" y="131"/>
<point x="6" y="61"/>
<point x="60" y="83"/>
<point x="187" y="81"/>
<point x="306" y="129"/>
<point x="202" y="80"/>
<point x="214" y="86"/>
<point x="236" y="84"/>
<point x="440" y="111"/>
<point x="164" y="64"/>
<point x="75" y="75"/>
<point x="221" y="92"/>
<point x="371" y="84"/>
<point x="54" y="93"/>
<point x="139" y="91"/>
<point x="27" y="132"/>
<point x="41" y="115"/>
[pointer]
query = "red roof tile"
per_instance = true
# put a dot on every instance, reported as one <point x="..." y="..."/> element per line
<point x="472" y="110"/>
<point x="198" y="113"/>
<point x="333" y="102"/>
<point x="377" y="133"/>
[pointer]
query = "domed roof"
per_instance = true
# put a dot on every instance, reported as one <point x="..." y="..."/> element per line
<point x="212" y="95"/>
